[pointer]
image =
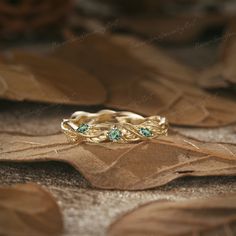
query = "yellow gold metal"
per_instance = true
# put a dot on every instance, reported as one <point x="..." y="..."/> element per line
<point x="113" y="126"/>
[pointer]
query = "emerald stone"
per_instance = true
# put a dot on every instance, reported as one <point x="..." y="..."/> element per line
<point x="145" y="132"/>
<point x="83" y="128"/>
<point x="114" y="134"/>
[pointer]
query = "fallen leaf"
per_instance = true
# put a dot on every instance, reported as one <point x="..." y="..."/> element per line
<point x="147" y="82"/>
<point x="119" y="54"/>
<point x="229" y="70"/>
<point x="162" y="63"/>
<point x="126" y="166"/>
<point x="223" y="73"/>
<point x="27" y="209"/>
<point x="213" y="78"/>
<point x="202" y="108"/>
<point x="43" y="79"/>
<point x="214" y="216"/>
<point x="228" y="55"/>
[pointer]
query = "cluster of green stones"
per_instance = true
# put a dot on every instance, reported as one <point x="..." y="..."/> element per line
<point x="115" y="134"/>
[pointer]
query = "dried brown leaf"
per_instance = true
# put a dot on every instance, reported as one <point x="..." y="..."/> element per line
<point x="119" y="54"/>
<point x="27" y="209"/>
<point x="215" y="216"/>
<point x="44" y="79"/>
<point x="228" y="47"/>
<point x="162" y="63"/>
<point x="213" y="78"/>
<point x="126" y="166"/>
<point x="223" y="74"/>
<point x="147" y="82"/>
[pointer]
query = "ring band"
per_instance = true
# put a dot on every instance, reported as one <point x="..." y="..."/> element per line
<point x="113" y="126"/>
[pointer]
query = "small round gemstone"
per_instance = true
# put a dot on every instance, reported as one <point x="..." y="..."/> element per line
<point x="114" y="134"/>
<point x="145" y="132"/>
<point x="83" y="128"/>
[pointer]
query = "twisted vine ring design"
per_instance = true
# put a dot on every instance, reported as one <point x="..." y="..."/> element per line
<point x="113" y="126"/>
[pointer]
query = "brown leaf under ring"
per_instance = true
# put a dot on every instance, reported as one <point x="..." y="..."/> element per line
<point x="126" y="166"/>
<point x="215" y="216"/>
<point x="27" y="209"/>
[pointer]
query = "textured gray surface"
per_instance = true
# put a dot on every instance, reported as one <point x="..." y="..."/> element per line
<point x="220" y="135"/>
<point x="89" y="211"/>
<point x="34" y="119"/>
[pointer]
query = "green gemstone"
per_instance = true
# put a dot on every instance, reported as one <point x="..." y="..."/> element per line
<point x="114" y="134"/>
<point x="83" y="128"/>
<point x="145" y="132"/>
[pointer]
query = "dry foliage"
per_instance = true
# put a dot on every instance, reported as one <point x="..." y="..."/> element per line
<point x="126" y="74"/>
<point x="213" y="78"/>
<point x="44" y="79"/>
<point x="126" y="166"/>
<point x="135" y="75"/>
<point x="223" y="73"/>
<point x="216" y="216"/>
<point x="146" y="81"/>
<point x="27" y="209"/>
<point x="228" y="57"/>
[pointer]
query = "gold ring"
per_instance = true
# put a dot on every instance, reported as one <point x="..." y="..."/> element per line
<point x="113" y="126"/>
